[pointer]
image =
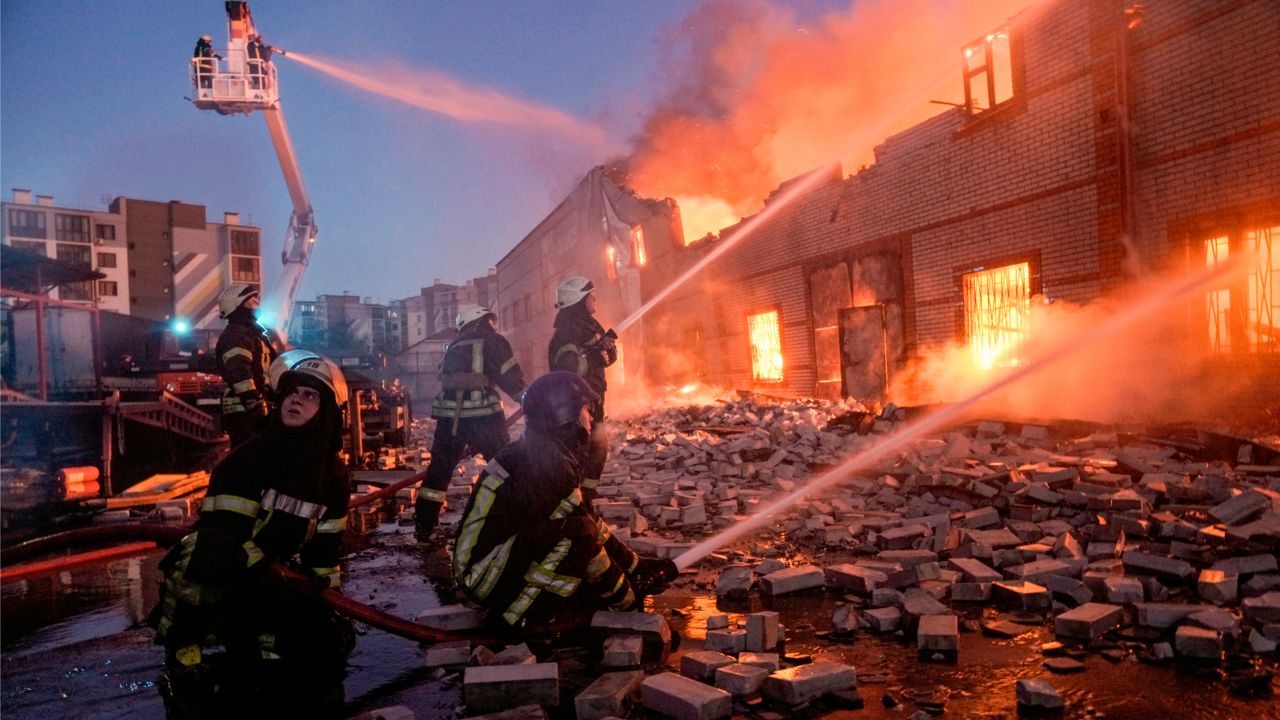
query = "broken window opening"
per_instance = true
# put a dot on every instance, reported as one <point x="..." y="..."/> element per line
<point x="766" y="346"/>
<point x="988" y="72"/>
<point x="1243" y="318"/>
<point x="639" y="255"/>
<point x="611" y="263"/>
<point x="997" y="304"/>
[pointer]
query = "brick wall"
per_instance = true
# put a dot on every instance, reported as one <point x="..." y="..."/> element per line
<point x="1058" y="176"/>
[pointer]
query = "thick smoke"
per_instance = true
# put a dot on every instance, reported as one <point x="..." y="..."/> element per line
<point x="759" y="95"/>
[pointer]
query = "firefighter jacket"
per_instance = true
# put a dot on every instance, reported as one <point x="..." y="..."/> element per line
<point x="244" y="354"/>
<point x="578" y="345"/>
<point x="475" y="365"/>
<point x="279" y="497"/>
<point x="527" y="540"/>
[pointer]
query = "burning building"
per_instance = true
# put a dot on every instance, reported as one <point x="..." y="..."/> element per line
<point x="1097" y="145"/>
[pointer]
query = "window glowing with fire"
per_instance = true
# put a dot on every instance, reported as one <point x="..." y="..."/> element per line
<point x="997" y="303"/>
<point x="766" y="346"/>
<point x="1246" y="316"/>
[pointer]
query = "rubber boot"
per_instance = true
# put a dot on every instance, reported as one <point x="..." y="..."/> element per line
<point x="426" y="515"/>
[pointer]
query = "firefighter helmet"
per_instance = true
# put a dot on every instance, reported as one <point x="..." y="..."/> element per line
<point x="556" y="399"/>
<point x="572" y="291"/>
<point x="305" y="367"/>
<point x="468" y="314"/>
<point x="233" y="296"/>
<point x="207" y="38"/>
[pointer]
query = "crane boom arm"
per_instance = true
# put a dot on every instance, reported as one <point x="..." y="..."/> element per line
<point x="301" y="236"/>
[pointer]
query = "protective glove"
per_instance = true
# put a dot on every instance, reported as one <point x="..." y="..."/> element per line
<point x="652" y="575"/>
<point x="288" y="584"/>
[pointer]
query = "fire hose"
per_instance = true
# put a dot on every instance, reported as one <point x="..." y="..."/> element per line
<point x="167" y="535"/>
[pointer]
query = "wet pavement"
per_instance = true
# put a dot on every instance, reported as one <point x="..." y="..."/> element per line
<point x="74" y="647"/>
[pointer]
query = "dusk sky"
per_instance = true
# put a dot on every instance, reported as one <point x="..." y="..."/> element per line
<point x="93" y="107"/>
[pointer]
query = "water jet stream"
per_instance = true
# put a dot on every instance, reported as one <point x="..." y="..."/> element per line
<point x="448" y="96"/>
<point x="1216" y="276"/>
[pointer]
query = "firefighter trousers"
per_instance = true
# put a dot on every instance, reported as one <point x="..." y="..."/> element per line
<point x="486" y="435"/>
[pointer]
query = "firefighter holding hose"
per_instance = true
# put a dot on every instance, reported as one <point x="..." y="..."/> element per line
<point x="240" y="615"/>
<point x="581" y="345"/>
<point x="467" y="410"/>
<point x="529" y="549"/>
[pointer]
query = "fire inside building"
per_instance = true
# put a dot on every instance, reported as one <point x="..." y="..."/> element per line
<point x="1095" y="148"/>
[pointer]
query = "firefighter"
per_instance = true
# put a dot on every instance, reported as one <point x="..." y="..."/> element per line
<point x="467" y="410"/>
<point x="205" y="57"/>
<point x="244" y="354"/>
<point x="581" y="345"/>
<point x="528" y="548"/>
<point x="240" y="615"/>
<point x="259" y="55"/>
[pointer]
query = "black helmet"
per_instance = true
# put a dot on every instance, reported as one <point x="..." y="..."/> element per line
<point x="556" y="399"/>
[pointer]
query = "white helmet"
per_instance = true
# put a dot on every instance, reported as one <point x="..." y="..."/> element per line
<point x="305" y="362"/>
<point x="284" y="363"/>
<point x="207" y="38"/>
<point x="233" y="296"/>
<point x="572" y="291"/>
<point x="468" y="314"/>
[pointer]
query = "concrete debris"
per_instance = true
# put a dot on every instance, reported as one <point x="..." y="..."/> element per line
<point x="1038" y="694"/>
<point x="395" y="712"/>
<point x="684" y="699"/>
<point x="1139" y="548"/>
<point x="609" y="696"/>
<point x="500" y="687"/>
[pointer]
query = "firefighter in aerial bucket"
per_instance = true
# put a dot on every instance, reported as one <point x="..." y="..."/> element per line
<point x="206" y="61"/>
<point x="240" y="614"/>
<point x="467" y="410"/>
<point x="529" y="549"/>
<point x="244" y="353"/>
<point x="581" y="345"/>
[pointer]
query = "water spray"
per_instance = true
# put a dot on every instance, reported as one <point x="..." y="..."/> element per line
<point x="1212" y="277"/>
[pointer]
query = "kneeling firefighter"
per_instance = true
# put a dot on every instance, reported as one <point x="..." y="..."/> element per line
<point x="240" y="615"/>
<point x="528" y="548"/>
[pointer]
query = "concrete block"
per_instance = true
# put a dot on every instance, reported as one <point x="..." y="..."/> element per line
<point x="762" y="631"/>
<point x="684" y="699"/>
<point x="1247" y="564"/>
<point x="1263" y="609"/>
<point x="499" y="687"/>
<point x="971" y="592"/>
<point x="1022" y="595"/>
<point x="513" y="655"/>
<point x="1216" y="586"/>
<point x="1157" y="565"/>
<point x="900" y="538"/>
<point x="702" y="664"/>
<point x="1261" y="644"/>
<point x="1219" y="619"/>
<point x="651" y="625"/>
<point x="793" y="579"/>
<point x="974" y="571"/>
<point x="854" y="578"/>
<point x="609" y="696"/>
<point x="741" y="679"/>
<point x="1088" y="622"/>
<point x="844" y="619"/>
<point x="806" y="682"/>
<point x="1070" y="590"/>
<point x="1165" y="615"/>
<point x="769" y="661"/>
<point x="450" y="617"/>
<point x="622" y="651"/>
<point x="1037" y="693"/>
<point x="908" y="558"/>
<point x="1037" y="571"/>
<point x="1197" y="642"/>
<point x="448" y="653"/>
<point x="735" y="580"/>
<point x="1241" y="507"/>
<point x="1123" y="590"/>
<point x="717" y="622"/>
<point x="885" y="619"/>
<point x="938" y="633"/>
<point x="731" y="641"/>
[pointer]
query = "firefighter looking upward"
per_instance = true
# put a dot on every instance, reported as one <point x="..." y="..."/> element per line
<point x="581" y="345"/>
<point x="467" y="410"/>
<point x="529" y="549"/>
<point x="244" y="354"/>
<point x="267" y="542"/>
